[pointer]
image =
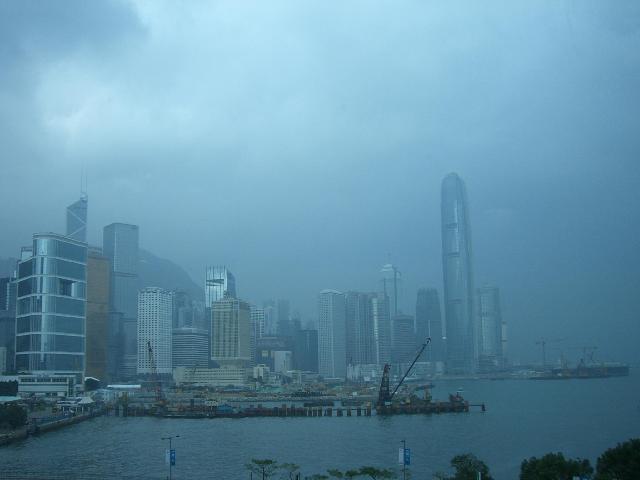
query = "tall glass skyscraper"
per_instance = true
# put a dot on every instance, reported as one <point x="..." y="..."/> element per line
<point x="77" y="219"/>
<point x="120" y="246"/>
<point x="332" y="356"/>
<point x="491" y="326"/>
<point x="392" y="287"/>
<point x="219" y="282"/>
<point x="458" y="277"/>
<point x="51" y="307"/>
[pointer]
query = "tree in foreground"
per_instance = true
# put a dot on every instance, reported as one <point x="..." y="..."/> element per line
<point x="12" y="416"/>
<point x="266" y="467"/>
<point x="371" y="473"/>
<point x="553" y="466"/>
<point x="290" y="469"/>
<point x="467" y="467"/>
<point x="620" y="463"/>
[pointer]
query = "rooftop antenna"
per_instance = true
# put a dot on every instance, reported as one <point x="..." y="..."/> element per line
<point x="83" y="180"/>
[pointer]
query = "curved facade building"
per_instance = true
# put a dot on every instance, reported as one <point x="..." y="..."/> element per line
<point x="458" y="277"/>
<point x="51" y="307"/>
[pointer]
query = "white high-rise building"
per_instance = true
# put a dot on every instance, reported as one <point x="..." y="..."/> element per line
<point x="332" y="356"/>
<point x="155" y="312"/>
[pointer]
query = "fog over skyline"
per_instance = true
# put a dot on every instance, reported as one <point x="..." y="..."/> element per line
<point x="303" y="146"/>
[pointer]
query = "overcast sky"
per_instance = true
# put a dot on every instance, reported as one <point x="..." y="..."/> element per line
<point x="303" y="145"/>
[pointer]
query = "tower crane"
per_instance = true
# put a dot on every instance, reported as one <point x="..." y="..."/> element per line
<point x="385" y="395"/>
<point x="155" y="378"/>
<point x="543" y="343"/>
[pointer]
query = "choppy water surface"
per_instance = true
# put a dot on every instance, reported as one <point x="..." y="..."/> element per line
<point x="524" y="418"/>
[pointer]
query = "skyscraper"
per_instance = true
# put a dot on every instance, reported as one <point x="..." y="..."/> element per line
<point x="429" y="323"/>
<point x="284" y="318"/>
<point x="458" y="277"/>
<point x="231" y="332"/>
<point x="257" y="329"/>
<point x="392" y="287"/>
<point x="97" y="315"/>
<point x="404" y="344"/>
<point x="360" y="338"/>
<point x="190" y="347"/>
<point x="155" y="314"/>
<point x="305" y="353"/>
<point x="332" y="357"/>
<point x="51" y="306"/>
<point x="491" y="326"/>
<point x="77" y="219"/>
<point x="219" y="283"/>
<point x="381" y="327"/>
<point x="8" y="320"/>
<point x="120" y="246"/>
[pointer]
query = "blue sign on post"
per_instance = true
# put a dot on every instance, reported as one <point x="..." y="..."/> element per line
<point x="172" y="456"/>
<point x="407" y="456"/>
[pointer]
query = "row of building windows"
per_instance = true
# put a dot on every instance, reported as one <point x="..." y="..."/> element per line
<point x="52" y="266"/>
<point x="58" y="248"/>
<point x="50" y="323"/>
<point x="52" y="285"/>
<point x="51" y="304"/>
<point x="61" y="362"/>
<point x="49" y="343"/>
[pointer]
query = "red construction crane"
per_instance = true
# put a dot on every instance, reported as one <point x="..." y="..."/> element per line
<point x="155" y="378"/>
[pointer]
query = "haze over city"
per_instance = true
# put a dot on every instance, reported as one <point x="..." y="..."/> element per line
<point x="304" y="146"/>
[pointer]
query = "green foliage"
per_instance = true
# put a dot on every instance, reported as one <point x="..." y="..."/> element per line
<point x="376" y="473"/>
<point x="266" y="468"/>
<point x="620" y="463"/>
<point x="553" y="466"/>
<point x="12" y="416"/>
<point x="334" y="473"/>
<point x="290" y="469"/>
<point x="466" y="467"/>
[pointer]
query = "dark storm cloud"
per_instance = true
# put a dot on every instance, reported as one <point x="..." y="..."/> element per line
<point x="303" y="145"/>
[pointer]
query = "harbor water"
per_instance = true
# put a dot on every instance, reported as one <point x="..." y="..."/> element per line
<point x="580" y="418"/>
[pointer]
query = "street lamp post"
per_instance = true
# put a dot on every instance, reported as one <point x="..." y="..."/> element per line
<point x="171" y="437"/>
<point x="404" y="462"/>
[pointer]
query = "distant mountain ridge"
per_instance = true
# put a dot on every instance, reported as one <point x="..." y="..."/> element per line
<point x="154" y="271"/>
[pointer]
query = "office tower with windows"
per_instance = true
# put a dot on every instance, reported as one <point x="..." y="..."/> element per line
<point x="257" y="328"/>
<point x="231" y="332"/>
<point x="270" y="317"/>
<point x="155" y="315"/>
<point x="360" y="339"/>
<point x="403" y="335"/>
<point x="305" y="354"/>
<point x="219" y="283"/>
<point x="429" y="324"/>
<point x="491" y="326"/>
<point x="51" y="307"/>
<point x="120" y="246"/>
<point x="190" y="347"/>
<point x="8" y="320"/>
<point x="284" y="318"/>
<point x="381" y="328"/>
<point x="97" y="336"/>
<point x="77" y="219"/>
<point x="392" y="287"/>
<point x="457" y="271"/>
<point x="332" y="355"/>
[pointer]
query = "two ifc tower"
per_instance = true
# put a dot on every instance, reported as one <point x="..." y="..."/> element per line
<point x="474" y="331"/>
